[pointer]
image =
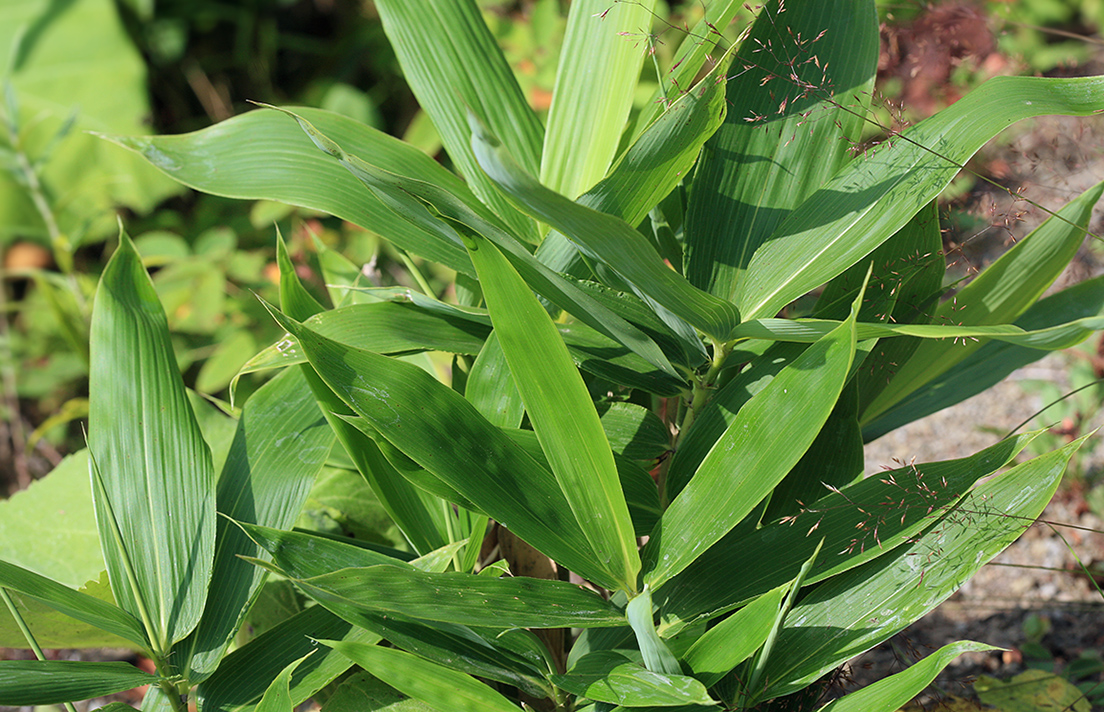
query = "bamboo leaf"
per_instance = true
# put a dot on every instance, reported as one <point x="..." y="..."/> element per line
<point x="261" y="156"/>
<point x="607" y="676"/>
<point x="438" y="686"/>
<point x="891" y="693"/>
<point x="803" y="86"/>
<point x="735" y="639"/>
<point x="561" y="411"/>
<point x="245" y="674"/>
<point x="767" y="437"/>
<point x="604" y="238"/>
<point x="999" y="294"/>
<point x="440" y="212"/>
<point x="277" y="698"/>
<point x="452" y="63"/>
<point x="44" y="682"/>
<point x="595" y="82"/>
<point x="854" y="611"/>
<point x="281" y="444"/>
<point x="411" y="409"/>
<point x="859" y="523"/>
<point x="464" y="599"/>
<point x="873" y="196"/>
<point x="74" y="604"/>
<point x="153" y="462"/>
<point x="993" y="361"/>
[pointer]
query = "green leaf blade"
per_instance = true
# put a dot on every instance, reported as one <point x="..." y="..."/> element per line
<point x="281" y="444"/>
<point x="791" y="124"/>
<point x="561" y="411"/>
<point x="595" y="80"/>
<point x="876" y="194"/>
<point x="891" y="693"/>
<point x="153" y="462"/>
<point x="43" y="682"/>
<point x="438" y="686"/>
<point x="767" y="437"/>
<point x="453" y="65"/>
<point x="465" y="599"/>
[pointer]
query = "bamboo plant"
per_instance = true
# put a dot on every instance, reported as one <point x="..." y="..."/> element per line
<point x="642" y="486"/>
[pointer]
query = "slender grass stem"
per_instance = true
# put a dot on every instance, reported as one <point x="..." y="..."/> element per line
<point x="25" y="629"/>
<point x="416" y="274"/>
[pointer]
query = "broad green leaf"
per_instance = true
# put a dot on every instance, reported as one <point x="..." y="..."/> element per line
<point x="465" y="599"/>
<point x="453" y="65"/>
<point x="75" y="604"/>
<point x="856" y="610"/>
<point x="245" y="674"/>
<point x="999" y="294"/>
<point x="50" y="527"/>
<point x="491" y="389"/>
<point x="650" y="168"/>
<point x="411" y="409"/>
<point x="994" y="361"/>
<point x="604" y="238"/>
<point x="277" y="698"/>
<point x="155" y="467"/>
<point x="261" y="155"/>
<point x="859" y="523"/>
<point x="693" y="52"/>
<point x="640" y="489"/>
<point x="364" y="693"/>
<point x="768" y="436"/>
<point x="599" y="67"/>
<point x="561" y="412"/>
<point x="43" y="682"/>
<point x="735" y="639"/>
<point x="115" y="707"/>
<point x="54" y="629"/>
<point x="802" y="88"/>
<point x="438" y="211"/>
<point x="281" y="443"/>
<point x="418" y="515"/>
<point x="634" y="431"/>
<point x="873" y="196"/>
<point x="607" y="676"/>
<point x="891" y="693"/>
<point x="73" y="69"/>
<point x="443" y="689"/>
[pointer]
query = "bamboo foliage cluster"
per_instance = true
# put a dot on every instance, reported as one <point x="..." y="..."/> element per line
<point x="628" y="410"/>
